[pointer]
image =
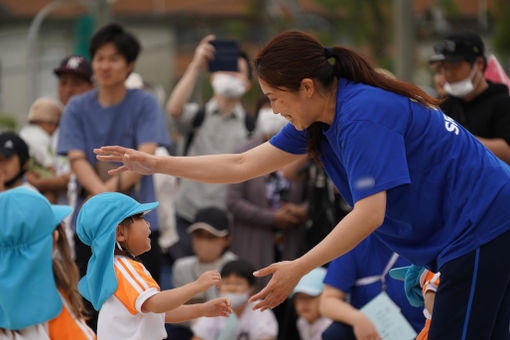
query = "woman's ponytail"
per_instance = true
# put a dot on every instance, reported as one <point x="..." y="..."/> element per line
<point x="292" y="56"/>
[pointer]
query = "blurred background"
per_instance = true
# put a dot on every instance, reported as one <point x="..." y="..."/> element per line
<point x="394" y="34"/>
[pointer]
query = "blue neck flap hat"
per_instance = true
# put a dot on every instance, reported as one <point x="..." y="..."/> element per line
<point x="96" y="227"/>
<point x="28" y="293"/>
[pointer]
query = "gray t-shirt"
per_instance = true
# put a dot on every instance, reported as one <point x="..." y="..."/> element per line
<point x="188" y="269"/>
<point x="216" y="135"/>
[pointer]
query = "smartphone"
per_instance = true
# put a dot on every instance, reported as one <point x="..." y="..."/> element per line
<point x="226" y="56"/>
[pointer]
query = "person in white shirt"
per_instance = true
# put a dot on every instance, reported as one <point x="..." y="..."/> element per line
<point x="43" y="118"/>
<point x="306" y="298"/>
<point x="237" y="284"/>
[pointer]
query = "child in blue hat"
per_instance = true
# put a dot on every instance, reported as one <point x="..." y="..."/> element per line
<point x="306" y="296"/>
<point x="39" y="298"/>
<point x="130" y="303"/>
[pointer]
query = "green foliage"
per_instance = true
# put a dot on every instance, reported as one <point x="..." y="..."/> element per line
<point x="7" y="122"/>
<point x="501" y="36"/>
<point x="450" y="7"/>
<point x="366" y="22"/>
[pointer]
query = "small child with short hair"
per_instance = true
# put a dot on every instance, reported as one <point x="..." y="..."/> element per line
<point x="43" y="119"/>
<point x="237" y="284"/>
<point x="39" y="298"/>
<point x="13" y="162"/>
<point x="130" y="303"/>
<point x="306" y="296"/>
<point x="210" y="239"/>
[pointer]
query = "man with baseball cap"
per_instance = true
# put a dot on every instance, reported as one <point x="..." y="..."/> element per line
<point x="13" y="161"/>
<point x="74" y="77"/>
<point x="481" y="106"/>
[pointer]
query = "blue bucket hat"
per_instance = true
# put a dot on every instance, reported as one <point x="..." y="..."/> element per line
<point x="28" y="292"/>
<point x="312" y="283"/>
<point x="96" y="227"/>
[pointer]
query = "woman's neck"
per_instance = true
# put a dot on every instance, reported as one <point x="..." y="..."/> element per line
<point x="327" y="114"/>
<point x="111" y="95"/>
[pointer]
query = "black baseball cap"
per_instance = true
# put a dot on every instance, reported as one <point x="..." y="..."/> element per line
<point x="459" y="46"/>
<point x="11" y="144"/>
<point x="75" y="64"/>
<point x="213" y="220"/>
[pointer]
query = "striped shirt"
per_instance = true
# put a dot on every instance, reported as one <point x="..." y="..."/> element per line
<point x="121" y="316"/>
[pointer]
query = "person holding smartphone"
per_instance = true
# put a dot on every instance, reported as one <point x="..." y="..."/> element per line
<point x="218" y="127"/>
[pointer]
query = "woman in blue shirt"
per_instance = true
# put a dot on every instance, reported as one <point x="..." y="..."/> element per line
<point x="415" y="178"/>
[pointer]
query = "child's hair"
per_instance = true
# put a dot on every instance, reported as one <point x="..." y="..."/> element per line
<point x="126" y="223"/>
<point x="125" y="43"/>
<point x="239" y="268"/>
<point x="67" y="275"/>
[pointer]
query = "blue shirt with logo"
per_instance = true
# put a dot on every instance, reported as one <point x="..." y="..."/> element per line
<point x="446" y="193"/>
<point x="136" y="120"/>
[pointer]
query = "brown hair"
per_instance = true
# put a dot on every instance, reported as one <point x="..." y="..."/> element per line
<point x="292" y="56"/>
<point x="126" y="223"/>
<point x="66" y="274"/>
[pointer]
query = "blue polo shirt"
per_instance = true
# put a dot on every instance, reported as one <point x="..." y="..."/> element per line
<point x="369" y="258"/>
<point x="446" y="193"/>
<point x="136" y="120"/>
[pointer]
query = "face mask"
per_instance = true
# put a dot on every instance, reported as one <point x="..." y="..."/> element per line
<point x="461" y="88"/>
<point x="228" y="86"/>
<point x="269" y="123"/>
<point x="236" y="299"/>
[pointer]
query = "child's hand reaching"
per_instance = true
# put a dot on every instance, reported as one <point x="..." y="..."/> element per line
<point x="208" y="279"/>
<point x="217" y="307"/>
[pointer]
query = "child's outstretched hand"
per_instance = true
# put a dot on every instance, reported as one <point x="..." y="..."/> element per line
<point x="208" y="279"/>
<point x="217" y="307"/>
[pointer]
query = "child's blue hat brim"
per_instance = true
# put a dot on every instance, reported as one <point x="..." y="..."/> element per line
<point x="96" y="226"/>
<point x="28" y="292"/>
<point x="312" y="283"/>
<point x="399" y="273"/>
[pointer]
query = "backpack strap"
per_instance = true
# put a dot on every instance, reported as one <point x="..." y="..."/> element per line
<point x="249" y="123"/>
<point x="197" y="121"/>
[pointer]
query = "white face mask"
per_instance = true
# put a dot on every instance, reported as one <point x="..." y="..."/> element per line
<point x="236" y="299"/>
<point x="269" y="123"/>
<point x="228" y="86"/>
<point x="461" y="88"/>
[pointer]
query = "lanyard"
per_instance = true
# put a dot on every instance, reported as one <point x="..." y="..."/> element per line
<point x="364" y="281"/>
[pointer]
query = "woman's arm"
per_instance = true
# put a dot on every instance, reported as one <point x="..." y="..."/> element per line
<point x="366" y="216"/>
<point x="333" y="306"/>
<point x="225" y="168"/>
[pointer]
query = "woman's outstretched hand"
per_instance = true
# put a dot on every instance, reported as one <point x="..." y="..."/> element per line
<point x="137" y="161"/>
<point x="286" y="275"/>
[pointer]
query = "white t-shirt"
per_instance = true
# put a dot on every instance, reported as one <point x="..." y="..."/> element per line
<point x="39" y="144"/>
<point x="312" y="331"/>
<point x="252" y="325"/>
<point x="121" y="316"/>
<point x="36" y="332"/>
